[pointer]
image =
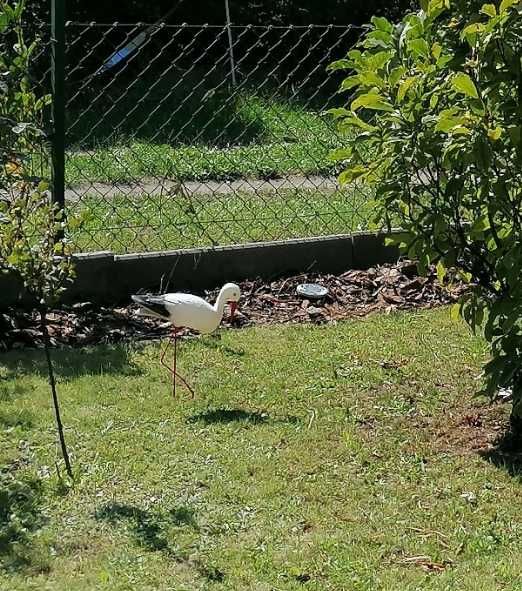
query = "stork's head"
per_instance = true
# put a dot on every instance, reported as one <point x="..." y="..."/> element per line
<point x="231" y="294"/>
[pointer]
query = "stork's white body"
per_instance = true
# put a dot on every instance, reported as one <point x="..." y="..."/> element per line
<point x="189" y="311"/>
<point x="184" y="310"/>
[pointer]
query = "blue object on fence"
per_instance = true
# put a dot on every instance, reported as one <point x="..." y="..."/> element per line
<point x="124" y="52"/>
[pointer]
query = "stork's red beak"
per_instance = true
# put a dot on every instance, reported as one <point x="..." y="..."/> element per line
<point x="233" y="308"/>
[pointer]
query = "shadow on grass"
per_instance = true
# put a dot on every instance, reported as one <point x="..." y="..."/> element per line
<point x="506" y="454"/>
<point x="220" y="118"/>
<point x="147" y="527"/>
<point x="509" y="461"/>
<point x="20" y="517"/>
<point x="214" y="343"/>
<point x="237" y="415"/>
<point x="71" y="363"/>
<point x="150" y="531"/>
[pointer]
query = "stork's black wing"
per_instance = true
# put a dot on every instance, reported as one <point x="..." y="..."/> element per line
<point x="155" y="305"/>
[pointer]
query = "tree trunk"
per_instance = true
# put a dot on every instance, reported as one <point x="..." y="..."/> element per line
<point x="515" y="420"/>
<point x="515" y="424"/>
<point x="52" y="383"/>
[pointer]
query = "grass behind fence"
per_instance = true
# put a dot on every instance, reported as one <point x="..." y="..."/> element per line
<point x="255" y="137"/>
<point x="156" y="222"/>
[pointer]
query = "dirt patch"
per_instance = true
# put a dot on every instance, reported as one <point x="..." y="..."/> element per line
<point x="354" y="293"/>
<point x="470" y="429"/>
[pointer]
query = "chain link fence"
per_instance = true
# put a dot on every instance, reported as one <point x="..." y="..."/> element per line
<point x="182" y="136"/>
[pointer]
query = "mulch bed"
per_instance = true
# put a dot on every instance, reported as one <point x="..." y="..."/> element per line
<point x="354" y="293"/>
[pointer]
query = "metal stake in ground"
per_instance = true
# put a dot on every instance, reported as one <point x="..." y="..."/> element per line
<point x="230" y="45"/>
<point x="184" y="310"/>
<point x="58" y="102"/>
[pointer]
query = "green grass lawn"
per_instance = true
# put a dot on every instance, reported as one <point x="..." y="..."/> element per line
<point x="255" y="136"/>
<point x="326" y="458"/>
<point x="131" y="224"/>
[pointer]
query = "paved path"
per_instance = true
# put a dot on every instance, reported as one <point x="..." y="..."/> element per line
<point x="150" y="186"/>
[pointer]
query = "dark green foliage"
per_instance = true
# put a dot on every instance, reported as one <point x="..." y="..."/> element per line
<point x="213" y="12"/>
<point x="434" y="123"/>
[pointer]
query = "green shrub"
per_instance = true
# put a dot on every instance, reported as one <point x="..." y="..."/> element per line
<point x="434" y="123"/>
<point x="31" y="226"/>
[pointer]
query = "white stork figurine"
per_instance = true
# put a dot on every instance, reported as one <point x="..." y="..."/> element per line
<point x="184" y="310"/>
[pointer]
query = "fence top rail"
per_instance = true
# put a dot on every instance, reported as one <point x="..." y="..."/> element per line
<point x="211" y="26"/>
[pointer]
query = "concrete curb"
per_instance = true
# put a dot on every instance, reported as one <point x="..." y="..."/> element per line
<point x="109" y="279"/>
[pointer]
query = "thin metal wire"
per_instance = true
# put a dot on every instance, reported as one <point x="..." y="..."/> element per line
<point x="79" y="24"/>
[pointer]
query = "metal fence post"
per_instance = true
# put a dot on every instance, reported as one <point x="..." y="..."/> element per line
<point x="58" y="101"/>
<point x="230" y="45"/>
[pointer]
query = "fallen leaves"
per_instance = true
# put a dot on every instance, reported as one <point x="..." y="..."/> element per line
<point x="354" y="293"/>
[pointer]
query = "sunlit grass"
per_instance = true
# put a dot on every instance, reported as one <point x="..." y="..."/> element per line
<point x="128" y="224"/>
<point x="320" y="458"/>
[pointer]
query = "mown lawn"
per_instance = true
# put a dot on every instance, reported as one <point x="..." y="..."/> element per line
<point x="254" y="137"/>
<point x="157" y="222"/>
<point x="340" y="457"/>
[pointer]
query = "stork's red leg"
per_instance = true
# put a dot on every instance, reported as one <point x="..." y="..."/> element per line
<point x="174" y="362"/>
<point x="186" y="384"/>
<point x="173" y="369"/>
<point x="176" y="374"/>
<point x="163" y="353"/>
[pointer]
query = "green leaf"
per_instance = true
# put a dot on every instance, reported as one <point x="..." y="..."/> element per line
<point x="341" y="154"/>
<point x="404" y="87"/>
<point x="379" y="60"/>
<point x="455" y="311"/>
<point x="479" y="226"/>
<point x="489" y="10"/>
<point x="371" y="79"/>
<point x="464" y="84"/>
<point x="470" y="32"/>
<point x="424" y="4"/>
<point x="449" y="119"/>
<point x="351" y="174"/>
<point x="342" y="64"/>
<point x="494" y="134"/>
<point x="396" y="74"/>
<point x="350" y="82"/>
<point x="436" y="7"/>
<point x="4" y="21"/>
<point x="354" y="121"/>
<point x="441" y="271"/>
<point x="381" y="23"/>
<point x="378" y="39"/>
<point x="339" y="112"/>
<point x="505" y="5"/>
<point x="419" y="47"/>
<point x="371" y="101"/>
<point x="436" y="50"/>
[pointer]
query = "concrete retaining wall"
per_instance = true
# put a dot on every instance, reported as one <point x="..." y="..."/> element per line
<point x="106" y="278"/>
